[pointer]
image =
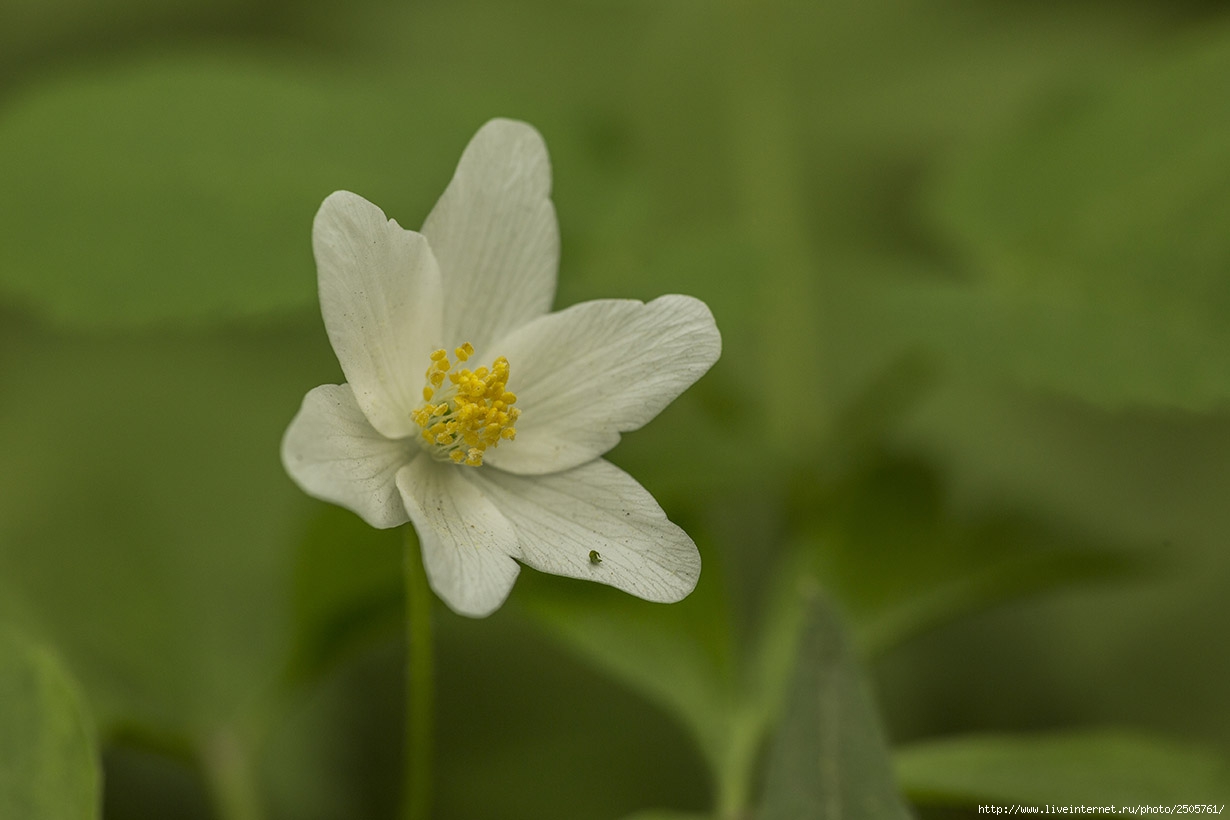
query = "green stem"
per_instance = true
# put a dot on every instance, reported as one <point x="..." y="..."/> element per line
<point x="737" y="767"/>
<point x="416" y="795"/>
<point x="732" y="796"/>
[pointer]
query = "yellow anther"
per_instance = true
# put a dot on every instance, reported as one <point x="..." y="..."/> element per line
<point x="473" y="409"/>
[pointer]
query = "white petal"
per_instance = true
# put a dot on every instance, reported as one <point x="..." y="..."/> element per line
<point x="380" y="298"/>
<point x="584" y="375"/>
<point x="466" y="542"/>
<point x="561" y="517"/>
<point x="495" y="235"/>
<point x="333" y="453"/>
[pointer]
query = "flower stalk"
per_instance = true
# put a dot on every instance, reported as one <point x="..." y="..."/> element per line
<point x="420" y="687"/>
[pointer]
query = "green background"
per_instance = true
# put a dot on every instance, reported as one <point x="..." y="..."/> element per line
<point x="971" y="264"/>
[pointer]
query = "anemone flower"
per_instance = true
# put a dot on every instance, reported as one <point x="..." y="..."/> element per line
<point x="473" y="411"/>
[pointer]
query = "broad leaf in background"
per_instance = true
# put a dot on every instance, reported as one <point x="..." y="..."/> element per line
<point x="1146" y="484"/>
<point x="887" y="544"/>
<point x="1091" y="768"/>
<point x="49" y="768"/>
<point x="181" y="188"/>
<point x="829" y="759"/>
<point x="35" y="30"/>
<point x="146" y="526"/>
<point x="1096" y="232"/>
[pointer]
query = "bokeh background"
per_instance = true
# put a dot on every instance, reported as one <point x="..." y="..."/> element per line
<point x="971" y="263"/>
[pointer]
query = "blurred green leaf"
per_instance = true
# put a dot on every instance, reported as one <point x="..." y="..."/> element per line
<point x="49" y="767"/>
<point x="1154" y="482"/>
<point x="1097" y="233"/>
<point x="182" y="188"/>
<point x="829" y="760"/>
<point x="169" y="587"/>
<point x="1072" y="768"/>
<point x="887" y="544"/>
<point x="146" y="525"/>
<point x="38" y="32"/>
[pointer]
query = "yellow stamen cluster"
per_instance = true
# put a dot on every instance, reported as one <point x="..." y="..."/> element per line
<point x="466" y="411"/>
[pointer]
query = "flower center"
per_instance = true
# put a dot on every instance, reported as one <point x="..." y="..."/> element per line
<point x="465" y="411"/>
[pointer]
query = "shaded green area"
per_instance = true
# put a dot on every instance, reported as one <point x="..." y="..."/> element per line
<point x="970" y="267"/>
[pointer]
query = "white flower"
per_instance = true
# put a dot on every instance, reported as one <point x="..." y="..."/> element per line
<point x="477" y="414"/>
